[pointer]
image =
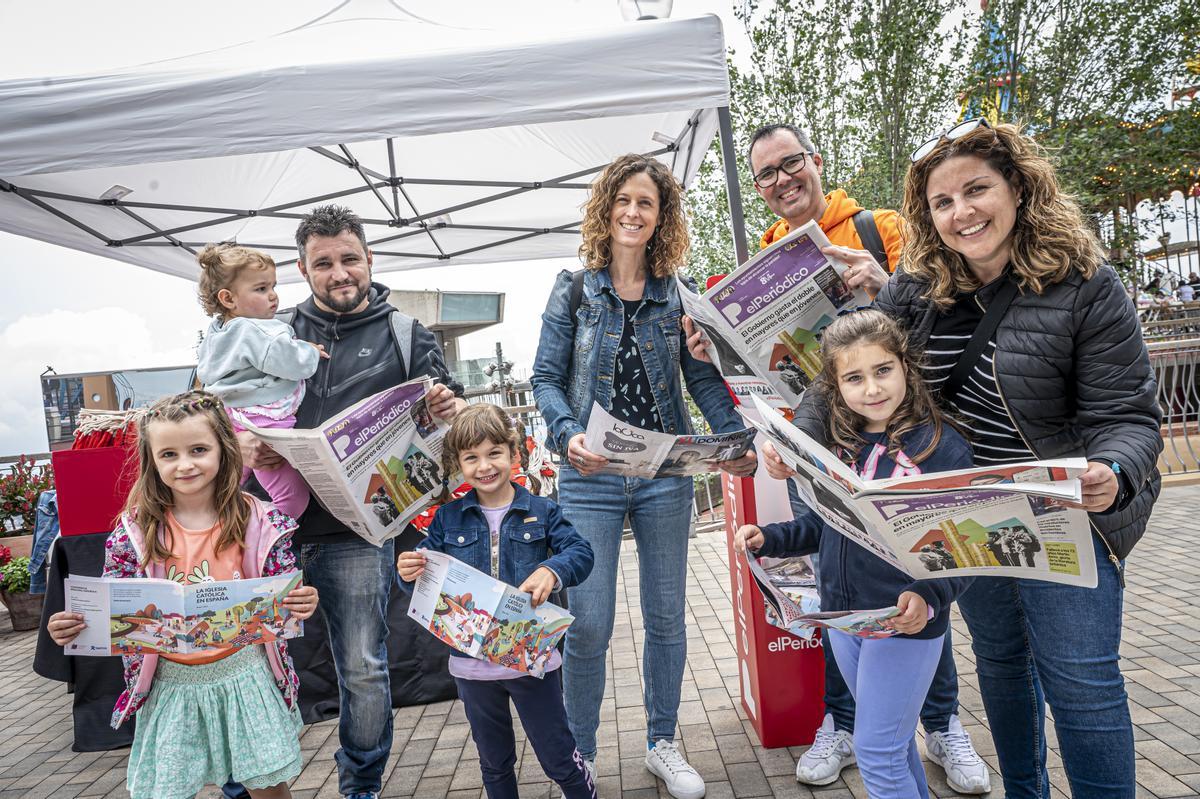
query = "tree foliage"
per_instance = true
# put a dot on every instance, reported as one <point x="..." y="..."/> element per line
<point x="1089" y="78"/>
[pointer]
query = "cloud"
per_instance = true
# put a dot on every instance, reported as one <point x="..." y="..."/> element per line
<point x="73" y="341"/>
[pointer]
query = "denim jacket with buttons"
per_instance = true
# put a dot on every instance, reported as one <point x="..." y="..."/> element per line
<point x="533" y="533"/>
<point x="576" y="360"/>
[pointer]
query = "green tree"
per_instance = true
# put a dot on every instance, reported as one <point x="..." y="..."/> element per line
<point x="867" y="80"/>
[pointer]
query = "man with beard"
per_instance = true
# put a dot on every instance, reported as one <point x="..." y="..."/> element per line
<point x="350" y="315"/>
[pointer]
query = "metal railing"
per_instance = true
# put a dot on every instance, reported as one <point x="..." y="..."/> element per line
<point x="1175" y="362"/>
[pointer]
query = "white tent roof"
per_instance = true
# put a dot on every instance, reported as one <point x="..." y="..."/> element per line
<point x="455" y="145"/>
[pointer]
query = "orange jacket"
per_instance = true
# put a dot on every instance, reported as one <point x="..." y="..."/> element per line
<point x="838" y="224"/>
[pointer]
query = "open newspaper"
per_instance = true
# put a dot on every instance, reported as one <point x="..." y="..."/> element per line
<point x="992" y="520"/>
<point x="127" y="617"/>
<point x="374" y="466"/>
<point x="791" y="601"/>
<point x="634" y="452"/>
<point x="763" y="321"/>
<point x="485" y="618"/>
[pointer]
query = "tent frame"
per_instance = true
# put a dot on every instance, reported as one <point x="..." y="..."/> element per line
<point x="377" y="183"/>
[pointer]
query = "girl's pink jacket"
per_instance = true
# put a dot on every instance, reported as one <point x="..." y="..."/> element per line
<point x="267" y="552"/>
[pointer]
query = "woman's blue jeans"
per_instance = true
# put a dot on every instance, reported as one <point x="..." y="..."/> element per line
<point x="659" y="512"/>
<point x="1039" y="643"/>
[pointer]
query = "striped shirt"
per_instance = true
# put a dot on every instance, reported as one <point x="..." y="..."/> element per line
<point x="978" y="407"/>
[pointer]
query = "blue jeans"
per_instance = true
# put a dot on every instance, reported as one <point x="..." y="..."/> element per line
<point x="889" y="678"/>
<point x="1039" y="643"/>
<point x="539" y="704"/>
<point x="354" y="579"/>
<point x="659" y="513"/>
<point x="940" y="703"/>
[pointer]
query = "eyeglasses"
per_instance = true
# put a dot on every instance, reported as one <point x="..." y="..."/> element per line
<point x="793" y="165"/>
<point x="956" y="132"/>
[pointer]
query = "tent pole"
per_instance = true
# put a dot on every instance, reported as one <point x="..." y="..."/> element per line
<point x="733" y="186"/>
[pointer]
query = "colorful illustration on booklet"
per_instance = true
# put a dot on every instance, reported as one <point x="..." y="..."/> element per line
<point x="422" y="419"/>
<point x="257" y="620"/>
<point x="524" y="643"/>
<point x="457" y="622"/>
<point x="968" y="544"/>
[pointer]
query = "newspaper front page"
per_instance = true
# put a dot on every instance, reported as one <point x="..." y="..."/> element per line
<point x="764" y="320"/>
<point x="376" y="465"/>
<point x="792" y="603"/>
<point x="127" y="617"/>
<point x="634" y="452"/>
<point x="485" y="618"/>
<point x="987" y="521"/>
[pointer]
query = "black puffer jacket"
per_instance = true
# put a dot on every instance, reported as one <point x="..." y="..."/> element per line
<point x="1073" y="371"/>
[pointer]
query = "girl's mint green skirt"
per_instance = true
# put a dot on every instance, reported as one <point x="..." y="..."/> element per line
<point x="202" y="725"/>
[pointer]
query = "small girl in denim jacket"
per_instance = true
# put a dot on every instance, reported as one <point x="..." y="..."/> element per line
<point x="251" y="360"/>
<point x="501" y="529"/>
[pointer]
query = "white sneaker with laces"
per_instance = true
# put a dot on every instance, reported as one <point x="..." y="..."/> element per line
<point x="666" y="762"/>
<point x="831" y="751"/>
<point x="952" y="750"/>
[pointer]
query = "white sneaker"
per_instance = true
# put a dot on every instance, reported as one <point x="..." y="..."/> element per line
<point x="665" y="761"/>
<point x="831" y="751"/>
<point x="590" y="765"/>
<point x="952" y="750"/>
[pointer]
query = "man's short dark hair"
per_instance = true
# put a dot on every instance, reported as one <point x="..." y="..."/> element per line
<point x="768" y="130"/>
<point x="329" y="220"/>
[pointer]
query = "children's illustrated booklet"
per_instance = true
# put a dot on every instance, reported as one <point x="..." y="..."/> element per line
<point x="985" y="521"/>
<point x="791" y="602"/>
<point x="764" y="320"/>
<point x="485" y="618"/>
<point x="135" y="616"/>
<point x="634" y="452"/>
<point x="376" y="465"/>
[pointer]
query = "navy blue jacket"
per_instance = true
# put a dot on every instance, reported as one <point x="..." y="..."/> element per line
<point x="533" y="533"/>
<point x="852" y="578"/>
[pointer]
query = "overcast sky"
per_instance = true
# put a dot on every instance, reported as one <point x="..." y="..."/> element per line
<point x="78" y="312"/>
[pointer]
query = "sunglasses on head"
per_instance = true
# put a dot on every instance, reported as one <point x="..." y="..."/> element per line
<point x="956" y="132"/>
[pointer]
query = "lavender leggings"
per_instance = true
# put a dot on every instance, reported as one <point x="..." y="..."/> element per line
<point x="888" y="678"/>
<point x="284" y="485"/>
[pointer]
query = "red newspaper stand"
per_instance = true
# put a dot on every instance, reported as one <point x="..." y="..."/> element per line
<point x="782" y="676"/>
<point x="92" y="486"/>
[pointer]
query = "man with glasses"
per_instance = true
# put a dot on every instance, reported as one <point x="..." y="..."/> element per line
<point x="787" y="175"/>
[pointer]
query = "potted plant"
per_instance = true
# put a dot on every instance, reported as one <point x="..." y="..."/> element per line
<point x="20" y="488"/>
<point x="24" y="608"/>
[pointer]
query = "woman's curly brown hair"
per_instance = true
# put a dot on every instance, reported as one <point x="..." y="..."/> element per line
<point x="1050" y="238"/>
<point x="668" y="246"/>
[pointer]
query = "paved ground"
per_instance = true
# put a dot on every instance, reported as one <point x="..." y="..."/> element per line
<point x="434" y="757"/>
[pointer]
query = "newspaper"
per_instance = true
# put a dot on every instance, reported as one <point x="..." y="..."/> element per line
<point x="127" y="617"/>
<point x="763" y="321"/>
<point x="485" y="618"/>
<point x="374" y="466"/>
<point x="986" y="521"/>
<point x="791" y="601"/>
<point x="634" y="452"/>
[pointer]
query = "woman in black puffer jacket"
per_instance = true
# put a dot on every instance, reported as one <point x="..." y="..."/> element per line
<point x="1065" y="373"/>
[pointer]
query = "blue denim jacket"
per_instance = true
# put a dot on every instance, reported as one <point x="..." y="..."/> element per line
<point x="45" y="530"/>
<point x="534" y="533"/>
<point x="570" y="372"/>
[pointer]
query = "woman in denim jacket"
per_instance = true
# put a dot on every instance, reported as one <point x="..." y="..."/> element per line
<point x="624" y="349"/>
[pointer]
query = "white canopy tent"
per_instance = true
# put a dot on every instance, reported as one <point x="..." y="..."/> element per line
<point x="454" y="145"/>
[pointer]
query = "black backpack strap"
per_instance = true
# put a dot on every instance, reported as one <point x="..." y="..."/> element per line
<point x="576" y="293"/>
<point x="979" y="339"/>
<point x="868" y="234"/>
